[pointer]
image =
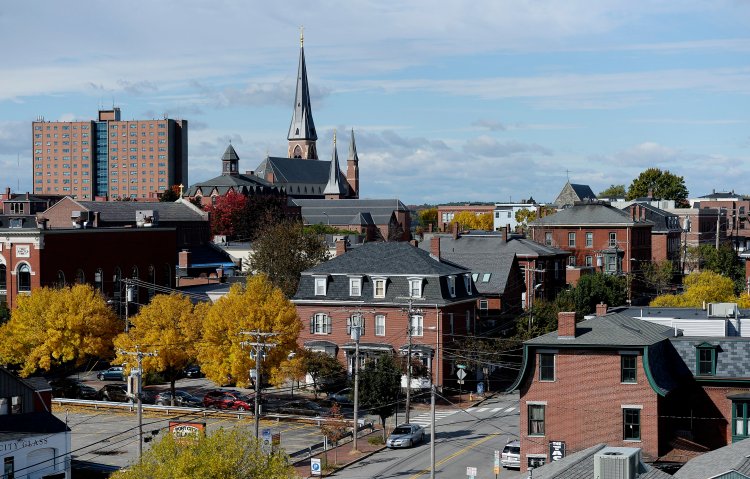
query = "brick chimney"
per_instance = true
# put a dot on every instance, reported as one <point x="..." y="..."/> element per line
<point x="435" y="247"/>
<point x="566" y="325"/>
<point x="340" y="247"/>
<point x="414" y="243"/>
<point x="184" y="258"/>
<point x="455" y="230"/>
<point x="601" y="309"/>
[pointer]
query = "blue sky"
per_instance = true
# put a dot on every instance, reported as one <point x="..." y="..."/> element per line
<point x="450" y="101"/>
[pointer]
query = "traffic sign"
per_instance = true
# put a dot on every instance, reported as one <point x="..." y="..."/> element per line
<point x="266" y="440"/>
<point x="315" y="468"/>
<point x="461" y="374"/>
<point x="461" y="366"/>
<point x="460" y="381"/>
<point x="471" y="472"/>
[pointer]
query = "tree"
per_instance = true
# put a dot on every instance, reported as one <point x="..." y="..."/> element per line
<point x="658" y="275"/>
<point x="227" y="214"/>
<point x="58" y="327"/>
<point x="468" y="219"/>
<point x="323" y="369"/>
<point x="428" y="216"/>
<point x="227" y="453"/>
<point x="614" y="191"/>
<point x="334" y="428"/>
<point x="379" y="387"/>
<point x="702" y="287"/>
<point x="662" y="184"/>
<point x="258" y="306"/>
<point x="169" y="324"/>
<point x="291" y="370"/>
<point x="171" y="194"/>
<point x="283" y="250"/>
<point x="596" y="288"/>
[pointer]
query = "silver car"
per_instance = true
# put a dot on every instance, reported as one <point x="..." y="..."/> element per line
<point x="405" y="435"/>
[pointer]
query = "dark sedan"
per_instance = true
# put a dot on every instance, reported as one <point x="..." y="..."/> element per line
<point x="114" y="393"/>
<point x="303" y="408"/>
<point x="71" y="389"/>
<point x="182" y="398"/>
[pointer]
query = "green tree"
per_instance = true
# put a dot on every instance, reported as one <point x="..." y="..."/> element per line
<point x="227" y="453"/>
<point x="171" y="194"/>
<point x="379" y="387"/>
<point x="614" y="191"/>
<point x="58" y="327"/>
<point x="662" y="184"/>
<point x="323" y="369"/>
<point x="283" y="250"/>
<point x="658" y="275"/>
<point x="258" y="306"/>
<point x="596" y="288"/>
<point x="169" y="324"/>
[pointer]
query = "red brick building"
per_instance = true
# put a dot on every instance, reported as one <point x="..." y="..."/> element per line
<point x="379" y="282"/>
<point x="666" y="234"/>
<point x="737" y="209"/>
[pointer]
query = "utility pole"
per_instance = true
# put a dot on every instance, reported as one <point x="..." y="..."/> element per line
<point x="432" y="431"/>
<point x="257" y="352"/>
<point x="139" y="355"/>
<point x="411" y="313"/>
<point x="718" y="222"/>
<point x="356" y="320"/>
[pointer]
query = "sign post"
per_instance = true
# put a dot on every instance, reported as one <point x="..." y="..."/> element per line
<point x="461" y="375"/>
<point x="315" y="469"/>
<point x="471" y="472"/>
<point x="496" y="467"/>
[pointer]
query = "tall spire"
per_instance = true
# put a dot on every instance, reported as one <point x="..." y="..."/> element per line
<point x="302" y="128"/>
<point x="334" y="189"/>
<point x="352" y="169"/>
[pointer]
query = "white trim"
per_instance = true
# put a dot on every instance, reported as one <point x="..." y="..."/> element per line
<point x="375" y="281"/>
<point x="321" y="281"/>
<point x="358" y="281"/>
<point x="536" y="403"/>
<point x="631" y="406"/>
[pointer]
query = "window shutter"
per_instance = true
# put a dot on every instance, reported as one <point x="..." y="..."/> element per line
<point x="348" y="325"/>
<point x="312" y="324"/>
<point x="328" y="324"/>
<point x="362" y="323"/>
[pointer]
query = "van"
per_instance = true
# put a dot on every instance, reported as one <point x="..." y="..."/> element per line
<point x="511" y="455"/>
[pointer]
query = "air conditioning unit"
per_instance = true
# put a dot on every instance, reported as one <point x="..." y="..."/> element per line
<point x="146" y="218"/>
<point x="617" y="463"/>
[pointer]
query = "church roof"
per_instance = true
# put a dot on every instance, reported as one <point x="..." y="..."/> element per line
<point x="302" y="126"/>
<point x="348" y="211"/>
<point x="334" y="186"/>
<point x="353" y="149"/>
<point x="230" y="154"/>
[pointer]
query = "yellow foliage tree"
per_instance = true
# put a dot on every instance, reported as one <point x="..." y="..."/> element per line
<point x="705" y="286"/>
<point x="169" y="324"/>
<point x="294" y="369"/>
<point x="467" y="219"/>
<point x="57" y="327"/>
<point x="259" y="306"/>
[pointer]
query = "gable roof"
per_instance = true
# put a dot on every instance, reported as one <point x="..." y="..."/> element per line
<point x="347" y="211"/>
<point x="610" y="330"/>
<point x="589" y="214"/>
<point x="124" y="211"/>
<point x="733" y="457"/>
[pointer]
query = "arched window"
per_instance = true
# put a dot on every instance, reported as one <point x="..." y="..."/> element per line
<point x="117" y="284"/>
<point x="60" y="283"/>
<point x="151" y="281"/>
<point x="297" y="150"/>
<point x="80" y="276"/>
<point x="23" y="278"/>
<point x="167" y="275"/>
<point x="3" y="277"/>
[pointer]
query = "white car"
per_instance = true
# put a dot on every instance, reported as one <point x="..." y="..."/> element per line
<point x="511" y="455"/>
<point x="405" y="435"/>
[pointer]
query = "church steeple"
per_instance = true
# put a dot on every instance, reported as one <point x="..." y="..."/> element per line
<point x="229" y="162"/>
<point x="302" y="135"/>
<point x="334" y="189"/>
<point x="352" y="169"/>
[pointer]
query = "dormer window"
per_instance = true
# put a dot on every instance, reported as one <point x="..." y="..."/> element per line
<point x="705" y="359"/>
<point x="415" y="287"/>
<point x="467" y="283"/>
<point x="320" y="286"/>
<point x="452" y="286"/>
<point x="355" y="286"/>
<point x="378" y="285"/>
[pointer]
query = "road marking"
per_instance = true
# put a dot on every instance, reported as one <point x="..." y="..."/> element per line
<point x="510" y="409"/>
<point x="425" y="420"/>
<point x="495" y="409"/>
<point x="470" y="409"/>
<point x="482" y="409"/>
<point x="457" y="453"/>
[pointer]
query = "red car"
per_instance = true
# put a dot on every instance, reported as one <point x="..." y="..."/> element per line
<point x="229" y="400"/>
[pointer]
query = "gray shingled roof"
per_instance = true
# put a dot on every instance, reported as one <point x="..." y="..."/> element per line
<point x="724" y="459"/>
<point x="580" y="465"/>
<point x="296" y="170"/>
<point x="589" y="214"/>
<point x="526" y="248"/>
<point x="658" y="217"/>
<point x="346" y="211"/>
<point x="609" y="330"/>
<point x="732" y="354"/>
<point x="124" y="211"/>
<point x="240" y="183"/>
<point x="583" y="191"/>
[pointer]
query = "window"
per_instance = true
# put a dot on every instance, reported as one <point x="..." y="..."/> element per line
<point x="353" y="321"/>
<point x="546" y="366"/>
<point x="628" y="368"/>
<point x="612" y="239"/>
<point x="320" y="324"/>
<point x="483" y="305"/>
<point x="452" y="285"/>
<point x="415" y="287"/>
<point x="379" y="288"/>
<point x="572" y="239"/>
<point x="571" y="260"/>
<point x="3" y="278"/>
<point x="706" y="360"/>
<point x="631" y="424"/>
<point x="467" y="283"/>
<point x="589" y="261"/>
<point x="417" y="325"/>
<point x="320" y="286"/>
<point x="379" y="325"/>
<point x="355" y="286"/>
<point x="23" y="278"/>
<point x="8" y="468"/>
<point x="486" y="277"/>
<point x="548" y="238"/>
<point x="589" y="239"/>
<point x="536" y="419"/>
<point x="740" y="410"/>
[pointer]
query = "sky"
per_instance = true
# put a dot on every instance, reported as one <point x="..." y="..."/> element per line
<point x="496" y="100"/>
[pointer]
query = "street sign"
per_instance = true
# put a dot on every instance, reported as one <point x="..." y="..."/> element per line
<point x="460" y="381"/>
<point x="315" y="469"/>
<point x="556" y="450"/>
<point x="496" y="467"/>
<point x="461" y="366"/>
<point x="461" y="374"/>
<point x="471" y="472"/>
<point x="266" y="438"/>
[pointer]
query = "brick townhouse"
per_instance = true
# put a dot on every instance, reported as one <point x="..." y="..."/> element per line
<point x="666" y="234"/>
<point x="644" y="385"/>
<point x="736" y="208"/>
<point x="379" y="282"/>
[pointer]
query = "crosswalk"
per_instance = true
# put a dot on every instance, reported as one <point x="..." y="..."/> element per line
<point x="424" y="418"/>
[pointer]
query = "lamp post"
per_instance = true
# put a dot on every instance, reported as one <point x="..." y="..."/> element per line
<point x="328" y="219"/>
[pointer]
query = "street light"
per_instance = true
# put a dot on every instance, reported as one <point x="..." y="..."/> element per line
<point x="328" y="219"/>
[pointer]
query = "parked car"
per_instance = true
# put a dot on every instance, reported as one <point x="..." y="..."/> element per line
<point x="182" y="398"/>
<point x="343" y="397"/>
<point x="511" y="455"/>
<point x="71" y="389"/>
<point x="303" y="408"/>
<point x="229" y="400"/>
<point x="112" y="374"/>
<point x="113" y="393"/>
<point x="405" y="435"/>
<point x="193" y="371"/>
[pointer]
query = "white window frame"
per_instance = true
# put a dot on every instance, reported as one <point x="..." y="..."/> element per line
<point x="548" y="238"/>
<point x="321" y="285"/>
<point x="375" y="283"/>
<point x="467" y="283"/>
<point x="321" y="324"/>
<point x="612" y="239"/>
<point x="571" y="239"/>
<point x="417" y="325"/>
<point x="589" y="239"/>
<point x="415" y="287"/>
<point x="484" y="305"/>
<point x="452" y="286"/>
<point x="355" y="286"/>
<point x="380" y="325"/>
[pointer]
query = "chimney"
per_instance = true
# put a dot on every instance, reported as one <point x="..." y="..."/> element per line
<point x="505" y="233"/>
<point x="455" y="230"/>
<point x="601" y="309"/>
<point x="184" y="258"/>
<point x="650" y="193"/>
<point x="28" y="195"/>
<point x="95" y="223"/>
<point x="566" y="325"/>
<point x="7" y="192"/>
<point x="414" y="243"/>
<point x="340" y="247"/>
<point x="435" y="247"/>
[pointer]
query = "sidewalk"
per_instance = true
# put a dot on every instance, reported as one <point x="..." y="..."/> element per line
<point x="343" y="454"/>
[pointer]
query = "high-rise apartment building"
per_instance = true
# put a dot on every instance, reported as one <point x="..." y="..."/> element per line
<point x="109" y="158"/>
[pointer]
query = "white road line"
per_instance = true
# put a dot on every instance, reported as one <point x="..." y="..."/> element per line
<point x="510" y="409"/>
<point x="496" y="409"/>
<point x="482" y="409"/>
<point x="470" y="409"/>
